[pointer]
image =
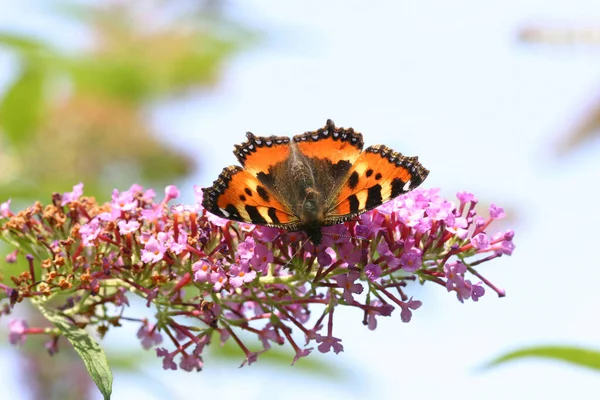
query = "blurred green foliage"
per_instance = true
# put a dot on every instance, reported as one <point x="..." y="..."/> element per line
<point x="71" y="116"/>
<point x="586" y="358"/>
<point x="78" y="116"/>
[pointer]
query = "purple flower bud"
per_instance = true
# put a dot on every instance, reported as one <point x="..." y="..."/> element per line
<point x="17" y="329"/>
<point x="171" y="193"/>
<point x="12" y="257"/>
<point x="481" y="241"/>
<point x="496" y="212"/>
<point x="69" y="197"/>
<point x="329" y="343"/>
<point x="5" y="209"/>
<point x="372" y="271"/>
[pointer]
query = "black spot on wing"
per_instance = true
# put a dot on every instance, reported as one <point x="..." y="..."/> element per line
<point x="255" y="216"/>
<point x="232" y="213"/>
<point x="378" y="176"/>
<point x="397" y="187"/>
<point x="353" y="180"/>
<point x="369" y="173"/>
<point x="248" y="192"/>
<point x="340" y="168"/>
<point x="273" y="215"/>
<point x="373" y="197"/>
<point x="266" y="179"/>
<point x="354" y="203"/>
<point x="242" y="197"/>
<point x="262" y="192"/>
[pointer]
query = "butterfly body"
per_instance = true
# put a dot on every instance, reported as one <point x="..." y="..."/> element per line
<point x="315" y="179"/>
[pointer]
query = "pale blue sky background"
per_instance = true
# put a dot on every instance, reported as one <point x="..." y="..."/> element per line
<point x="447" y="81"/>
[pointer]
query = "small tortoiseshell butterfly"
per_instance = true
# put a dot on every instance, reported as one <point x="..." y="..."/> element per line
<point x="315" y="179"/>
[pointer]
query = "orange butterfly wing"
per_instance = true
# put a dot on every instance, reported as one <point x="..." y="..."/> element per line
<point x="258" y="154"/>
<point x="238" y="195"/>
<point x="331" y="143"/>
<point x="378" y="175"/>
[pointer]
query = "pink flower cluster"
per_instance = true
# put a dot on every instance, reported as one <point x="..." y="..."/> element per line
<point x="208" y="276"/>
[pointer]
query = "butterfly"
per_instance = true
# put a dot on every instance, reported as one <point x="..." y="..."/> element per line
<point x="316" y="179"/>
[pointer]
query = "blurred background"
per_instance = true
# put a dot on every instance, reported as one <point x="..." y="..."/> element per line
<point x="498" y="98"/>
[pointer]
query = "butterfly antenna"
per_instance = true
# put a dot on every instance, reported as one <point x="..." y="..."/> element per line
<point x="347" y="236"/>
<point x="295" y="253"/>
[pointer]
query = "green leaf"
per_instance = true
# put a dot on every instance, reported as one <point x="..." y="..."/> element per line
<point x="22" y="105"/>
<point x="586" y="358"/>
<point x="20" y="42"/>
<point x="91" y="353"/>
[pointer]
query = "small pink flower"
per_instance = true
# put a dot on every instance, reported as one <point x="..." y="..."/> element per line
<point x="374" y="220"/>
<point x="168" y="362"/>
<point x="454" y="272"/>
<point x="12" y="257"/>
<point x="202" y="270"/>
<point x="136" y="189"/>
<point x="261" y="258"/>
<point x="251" y="358"/>
<point x="241" y="275"/>
<point x="329" y="343"/>
<point x="477" y="291"/>
<point x="268" y="334"/>
<point x="128" y="227"/>
<point x="466" y="197"/>
<point x="154" y="251"/>
<point x="373" y="271"/>
<point x="17" y="329"/>
<point x="179" y="246"/>
<point x="266" y="234"/>
<point x="377" y="308"/>
<point x="152" y="214"/>
<point x="410" y="216"/>
<point x="90" y="231"/>
<point x="504" y="247"/>
<point x="496" y="212"/>
<point x="217" y="221"/>
<point x="123" y="201"/>
<point x="219" y="279"/>
<point x="301" y="353"/>
<point x="113" y="215"/>
<point x="5" y="209"/>
<point x="171" y="193"/>
<point x="149" y="336"/>
<point x="191" y="362"/>
<point x="481" y="241"/>
<point x="336" y="234"/>
<point x="69" y="197"/>
<point x="457" y="226"/>
<point x="406" y="313"/>
<point x="390" y="258"/>
<point x="149" y="195"/>
<point x="346" y="281"/>
<point x="410" y="260"/>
